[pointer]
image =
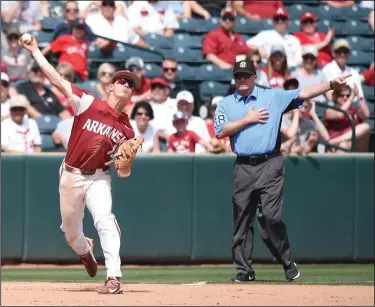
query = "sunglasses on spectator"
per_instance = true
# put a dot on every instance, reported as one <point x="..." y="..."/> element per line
<point x="228" y="17"/>
<point x="142" y="113"/>
<point x="158" y="85"/>
<point x="282" y="19"/>
<point x="172" y="69"/>
<point x="242" y="76"/>
<point x="344" y="95"/>
<point x="123" y="82"/>
<point x="17" y="109"/>
<point x="308" y="58"/>
<point x="108" y="73"/>
<point x="342" y="51"/>
<point x="134" y="68"/>
<point x="71" y="10"/>
<point x="4" y="83"/>
<point x="308" y="21"/>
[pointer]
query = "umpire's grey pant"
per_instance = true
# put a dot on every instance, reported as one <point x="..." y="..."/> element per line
<point x="259" y="187"/>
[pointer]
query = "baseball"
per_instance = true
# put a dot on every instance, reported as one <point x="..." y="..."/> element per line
<point x="27" y="38"/>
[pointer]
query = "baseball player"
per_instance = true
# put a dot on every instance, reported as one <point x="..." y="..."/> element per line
<point x="99" y="130"/>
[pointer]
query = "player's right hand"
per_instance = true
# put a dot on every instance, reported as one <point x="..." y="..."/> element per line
<point x="258" y="116"/>
<point x="33" y="46"/>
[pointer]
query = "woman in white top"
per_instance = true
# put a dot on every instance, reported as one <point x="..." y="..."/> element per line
<point x="140" y="120"/>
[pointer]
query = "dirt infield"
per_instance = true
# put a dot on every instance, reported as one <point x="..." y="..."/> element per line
<point x="68" y="294"/>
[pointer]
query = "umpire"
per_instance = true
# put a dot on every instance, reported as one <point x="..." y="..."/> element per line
<point x="251" y="118"/>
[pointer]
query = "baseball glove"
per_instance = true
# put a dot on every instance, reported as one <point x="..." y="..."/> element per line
<point x="125" y="155"/>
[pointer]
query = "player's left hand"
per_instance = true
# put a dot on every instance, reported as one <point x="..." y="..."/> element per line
<point x="339" y="82"/>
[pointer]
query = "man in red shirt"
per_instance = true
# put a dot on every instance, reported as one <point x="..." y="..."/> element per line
<point x="183" y="140"/>
<point x="309" y="35"/>
<point x="367" y="77"/>
<point x="99" y="128"/>
<point x="73" y="49"/>
<point x="222" y="45"/>
<point x="257" y="10"/>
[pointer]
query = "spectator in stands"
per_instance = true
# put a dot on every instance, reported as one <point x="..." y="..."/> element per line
<point x="169" y="73"/>
<point x="141" y="116"/>
<point x="24" y="15"/>
<point x="19" y="133"/>
<point x="222" y="45"/>
<point x="310" y="36"/>
<point x="303" y="127"/>
<point x="257" y="10"/>
<point x="262" y="79"/>
<point x="71" y="14"/>
<point x="62" y="132"/>
<point x="339" y="3"/>
<point x="185" y="104"/>
<point x="277" y="67"/>
<point x="4" y="95"/>
<point x="105" y="73"/>
<point x="309" y="73"/>
<point x="106" y="24"/>
<point x="338" y="67"/>
<point x="184" y="140"/>
<point x="137" y="66"/>
<point x="42" y="100"/>
<point x="73" y="49"/>
<point x="278" y="36"/>
<point x="338" y="124"/>
<point x="225" y="142"/>
<point x="16" y="58"/>
<point x="66" y="71"/>
<point x="185" y="9"/>
<point x="88" y="8"/>
<point x="214" y="8"/>
<point x="367" y="77"/>
<point x="155" y="17"/>
<point x="163" y="107"/>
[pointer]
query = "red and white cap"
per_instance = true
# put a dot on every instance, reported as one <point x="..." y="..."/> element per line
<point x="281" y="12"/>
<point x="4" y="76"/>
<point x="308" y="15"/>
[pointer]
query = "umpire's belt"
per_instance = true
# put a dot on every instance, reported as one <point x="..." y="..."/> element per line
<point x="255" y="160"/>
<point x="84" y="171"/>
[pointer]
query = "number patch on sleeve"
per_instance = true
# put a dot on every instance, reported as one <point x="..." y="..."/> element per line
<point x="220" y="119"/>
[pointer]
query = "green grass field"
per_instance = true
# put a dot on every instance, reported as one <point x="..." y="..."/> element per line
<point x="359" y="274"/>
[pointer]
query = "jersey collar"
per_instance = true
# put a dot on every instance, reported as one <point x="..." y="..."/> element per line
<point x="253" y="96"/>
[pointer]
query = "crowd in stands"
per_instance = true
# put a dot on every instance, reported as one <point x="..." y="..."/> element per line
<point x="166" y="110"/>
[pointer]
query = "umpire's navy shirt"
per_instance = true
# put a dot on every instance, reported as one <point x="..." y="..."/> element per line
<point x="256" y="139"/>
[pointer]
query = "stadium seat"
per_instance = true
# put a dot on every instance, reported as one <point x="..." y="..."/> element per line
<point x="186" y="72"/>
<point x="159" y="41"/>
<point x="327" y="12"/>
<point x="49" y="145"/>
<point x="354" y="12"/>
<point x="358" y="57"/>
<point x="210" y="89"/>
<point x="50" y="23"/>
<point x="187" y="41"/>
<point x="361" y="43"/>
<point x="249" y="27"/>
<point x="43" y="38"/>
<point x="183" y="55"/>
<point x="47" y="123"/>
<point x="209" y="72"/>
<point x="152" y="70"/>
<point x="352" y="27"/>
<point x="192" y="25"/>
<point x="368" y="92"/>
<point x="125" y="52"/>
<point x="295" y="10"/>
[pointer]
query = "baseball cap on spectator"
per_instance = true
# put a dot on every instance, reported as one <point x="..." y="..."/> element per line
<point x="289" y="82"/>
<point x="228" y="11"/>
<point x="216" y="100"/>
<point x="108" y="2"/>
<point x="4" y="77"/>
<point x="277" y="48"/>
<point x="308" y="16"/>
<point x="244" y="66"/>
<point x="159" y="80"/>
<point x="341" y="43"/>
<point x="78" y="23"/>
<point x="180" y="115"/>
<point x="18" y="101"/>
<point x="13" y="32"/>
<point x="309" y="50"/>
<point x="185" y="95"/>
<point x="281" y="12"/>
<point x="134" y="63"/>
<point x="126" y="74"/>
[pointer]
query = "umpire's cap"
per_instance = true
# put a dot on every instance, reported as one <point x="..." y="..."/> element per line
<point x="244" y="66"/>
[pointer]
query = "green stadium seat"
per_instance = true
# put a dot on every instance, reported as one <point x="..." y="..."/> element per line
<point x="152" y="70"/>
<point x="327" y="12"/>
<point x="352" y="27"/>
<point x="50" y="23"/>
<point x="192" y="25"/>
<point x="125" y="52"/>
<point x="354" y="12"/>
<point x="249" y="27"/>
<point x="159" y="41"/>
<point x="368" y="92"/>
<point x="359" y="57"/>
<point x="361" y="43"/>
<point x="186" y="72"/>
<point x="210" y="89"/>
<point x="48" y="145"/>
<point x="209" y="72"/>
<point x="184" y="55"/>
<point x="43" y="37"/>
<point x="188" y="41"/>
<point x="47" y="123"/>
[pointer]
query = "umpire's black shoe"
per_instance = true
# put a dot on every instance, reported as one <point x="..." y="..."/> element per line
<point x="291" y="272"/>
<point x="243" y="278"/>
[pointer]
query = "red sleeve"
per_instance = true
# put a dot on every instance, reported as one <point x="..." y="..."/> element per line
<point x="170" y="143"/>
<point x="369" y="76"/>
<point x="194" y="136"/>
<point x="209" y="44"/>
<point x="58" y="44"/>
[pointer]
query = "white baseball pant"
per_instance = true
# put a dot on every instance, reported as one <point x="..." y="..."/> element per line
<point x="76" y="190"/>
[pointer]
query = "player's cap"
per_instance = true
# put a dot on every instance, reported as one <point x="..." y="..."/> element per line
<point x="229" y="11"/>
<point x="281" y="12"/>
<point x="5" y="77"/>
<point x="78" y="23"/>
<point x="134" y="63"/>
<point x="159" y="80"/>
<point x="310" y="50"/>
<point x="19" y="101"/>
<point x="289" y="82"/>
<point x="341" y="43"/>
<point x="185" y="95"/>
<point x="216" y="100"/>
<point x="126" y="74"/>
<point x="108" y="2"/>
<point x="307" y="16"/>
<point x="180" y="115"/>
<point x="244" y="66"/>
<point x="13" y="31"/>
<point x="277" y="48"/>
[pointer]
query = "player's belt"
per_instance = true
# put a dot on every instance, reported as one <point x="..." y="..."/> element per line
<point x="84" y="171"/>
